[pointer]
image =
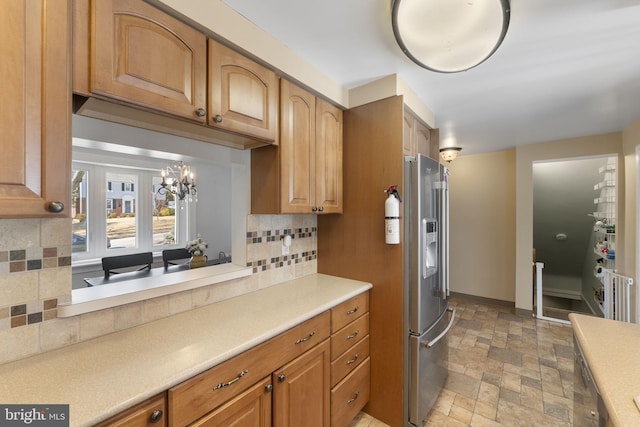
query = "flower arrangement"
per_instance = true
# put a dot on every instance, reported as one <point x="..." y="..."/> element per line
<point x="196" y="247"/>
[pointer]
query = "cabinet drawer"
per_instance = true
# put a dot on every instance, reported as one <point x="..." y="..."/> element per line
<point x="197" y="396"/>
<point x="252" y="406"/>
<point x="152" y="412"/>
<point x="350" y="395"/>
<point x="349" y="311"/>
<point x="349" y="335"/>
<point x="349" y="360"/>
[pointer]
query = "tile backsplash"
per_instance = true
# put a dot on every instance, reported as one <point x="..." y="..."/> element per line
<point x="35" y="276"/>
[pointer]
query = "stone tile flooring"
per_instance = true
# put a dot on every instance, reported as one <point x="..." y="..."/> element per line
<point x="504" y="370"/>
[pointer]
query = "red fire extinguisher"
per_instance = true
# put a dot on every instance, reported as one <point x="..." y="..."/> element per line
<point x="392" y="216"/>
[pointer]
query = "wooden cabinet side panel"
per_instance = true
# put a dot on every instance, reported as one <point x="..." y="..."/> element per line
<point x="297" y="145"/>
<point x="81" y="46"/>
<point x="302" y="397"/>
<point x="243" y="93"/>
<point x="265" y="180"/>
<point x="373" y="161"/>
<point x="142" y="55"/>
<point x="35" y="115"/>
<point x="328" y="156"/>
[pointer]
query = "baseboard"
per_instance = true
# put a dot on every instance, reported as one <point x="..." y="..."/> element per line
<point x="483" y="300"/>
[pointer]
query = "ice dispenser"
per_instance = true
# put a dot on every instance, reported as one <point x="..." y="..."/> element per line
<point x="429" y="247"/>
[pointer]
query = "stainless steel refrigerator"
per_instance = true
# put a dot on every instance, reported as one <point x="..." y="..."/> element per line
<point x="426" y="282"/>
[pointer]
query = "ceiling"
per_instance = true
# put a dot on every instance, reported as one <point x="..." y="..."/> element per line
<point x="565" y="68"/>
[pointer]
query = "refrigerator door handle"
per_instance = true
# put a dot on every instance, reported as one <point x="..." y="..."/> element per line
<point x="443" y="333"/>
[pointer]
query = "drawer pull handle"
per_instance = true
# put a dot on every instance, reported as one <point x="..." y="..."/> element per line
<point x="350" y="312"/>
<point x="355" y="357"/>
<point x="353" y="335"/>
<point x="155" y="416"/>
<point x="353" y="399"/>
<point x="236" y="379"/>
<point x="301" y="340"/>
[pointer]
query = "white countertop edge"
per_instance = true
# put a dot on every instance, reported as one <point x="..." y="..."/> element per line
<point x="96" y="298"/>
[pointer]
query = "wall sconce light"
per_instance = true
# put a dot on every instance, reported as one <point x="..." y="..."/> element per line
<point x="450" y="36"/>
<point x="180" y="182"/>
<point x="449" y="154"/>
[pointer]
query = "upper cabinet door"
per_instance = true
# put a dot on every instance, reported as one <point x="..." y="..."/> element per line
<point x="144" y="56"/>
<point x="243" y="94"/>
<point x="297" y="149"/>
<point x="35" y="114"/>
<point x="328" y="156"/>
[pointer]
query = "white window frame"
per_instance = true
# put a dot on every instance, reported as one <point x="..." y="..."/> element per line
<point x="97" y="212"/>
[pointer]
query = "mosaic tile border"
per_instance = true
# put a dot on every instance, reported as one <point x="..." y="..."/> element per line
<point x="274" y="235"/>
<point x="27" y="314"/>
<point x="21" y="260"/>
<point x="282" y="261"/>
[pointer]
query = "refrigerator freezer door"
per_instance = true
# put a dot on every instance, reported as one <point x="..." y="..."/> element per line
<point x="427" y="368"/>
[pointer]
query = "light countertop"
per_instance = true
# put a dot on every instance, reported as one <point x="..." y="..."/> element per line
<point x="612" y="350"/>
<point x="104" y="376"/>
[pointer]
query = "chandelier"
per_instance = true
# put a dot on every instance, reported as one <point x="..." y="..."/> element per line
<point x="179" y="181"/>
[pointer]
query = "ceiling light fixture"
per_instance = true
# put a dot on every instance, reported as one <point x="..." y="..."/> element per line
<point x="449" y="154"/>
<point x="449" y="36"/>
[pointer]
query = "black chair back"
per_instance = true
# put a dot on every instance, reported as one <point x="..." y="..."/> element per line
<point x="142" y="260"/>
<point x="170" y="255"/>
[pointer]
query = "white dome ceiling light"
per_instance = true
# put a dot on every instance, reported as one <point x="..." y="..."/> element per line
<point x="449" y="36"/>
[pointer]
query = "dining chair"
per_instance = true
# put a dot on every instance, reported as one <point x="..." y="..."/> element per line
<point x="112" y="263"/>
<point x="170" y="255"/>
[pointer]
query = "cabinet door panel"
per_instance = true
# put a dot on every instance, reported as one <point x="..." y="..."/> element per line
<point x="141" y="55"/>
<point x="35" y="112"/>
<point x="243" y="94"/>
<point x="422" y="139"/>
<point x="297" y="145"/>
<point x="301" y="390"/>
<point x="328" y="156"/>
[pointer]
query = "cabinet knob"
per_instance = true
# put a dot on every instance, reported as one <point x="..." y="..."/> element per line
<point x="281" y="378"/>
<point x="268" y="388"/>
<point x="201" y="112"/>
<point x="314" y="209"/>
<point x="155" y="416"/>
<point x="217" y="118"/>
<point x="55" y="207"/>
<point x="320" y="209"/>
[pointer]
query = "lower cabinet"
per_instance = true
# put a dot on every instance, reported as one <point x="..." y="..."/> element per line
<point x="350" y="367"/>
<point x="316" y="374"/>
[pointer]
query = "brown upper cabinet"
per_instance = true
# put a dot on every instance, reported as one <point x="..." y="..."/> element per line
<point x="137" y="65"/>
<point x="143" y="56"/>
<point x="34" y="114"/>
<point x="304" y="173"/>
<point x="418" y="138"/>
<point x="243" y="95"/>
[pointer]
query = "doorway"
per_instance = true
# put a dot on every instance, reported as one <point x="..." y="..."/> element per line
<point x="571" y="200"/>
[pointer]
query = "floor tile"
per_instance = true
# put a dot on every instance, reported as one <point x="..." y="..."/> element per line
<point x="504" y="370"/>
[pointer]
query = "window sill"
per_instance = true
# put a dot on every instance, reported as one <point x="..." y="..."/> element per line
<point x="87" y="300"/>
